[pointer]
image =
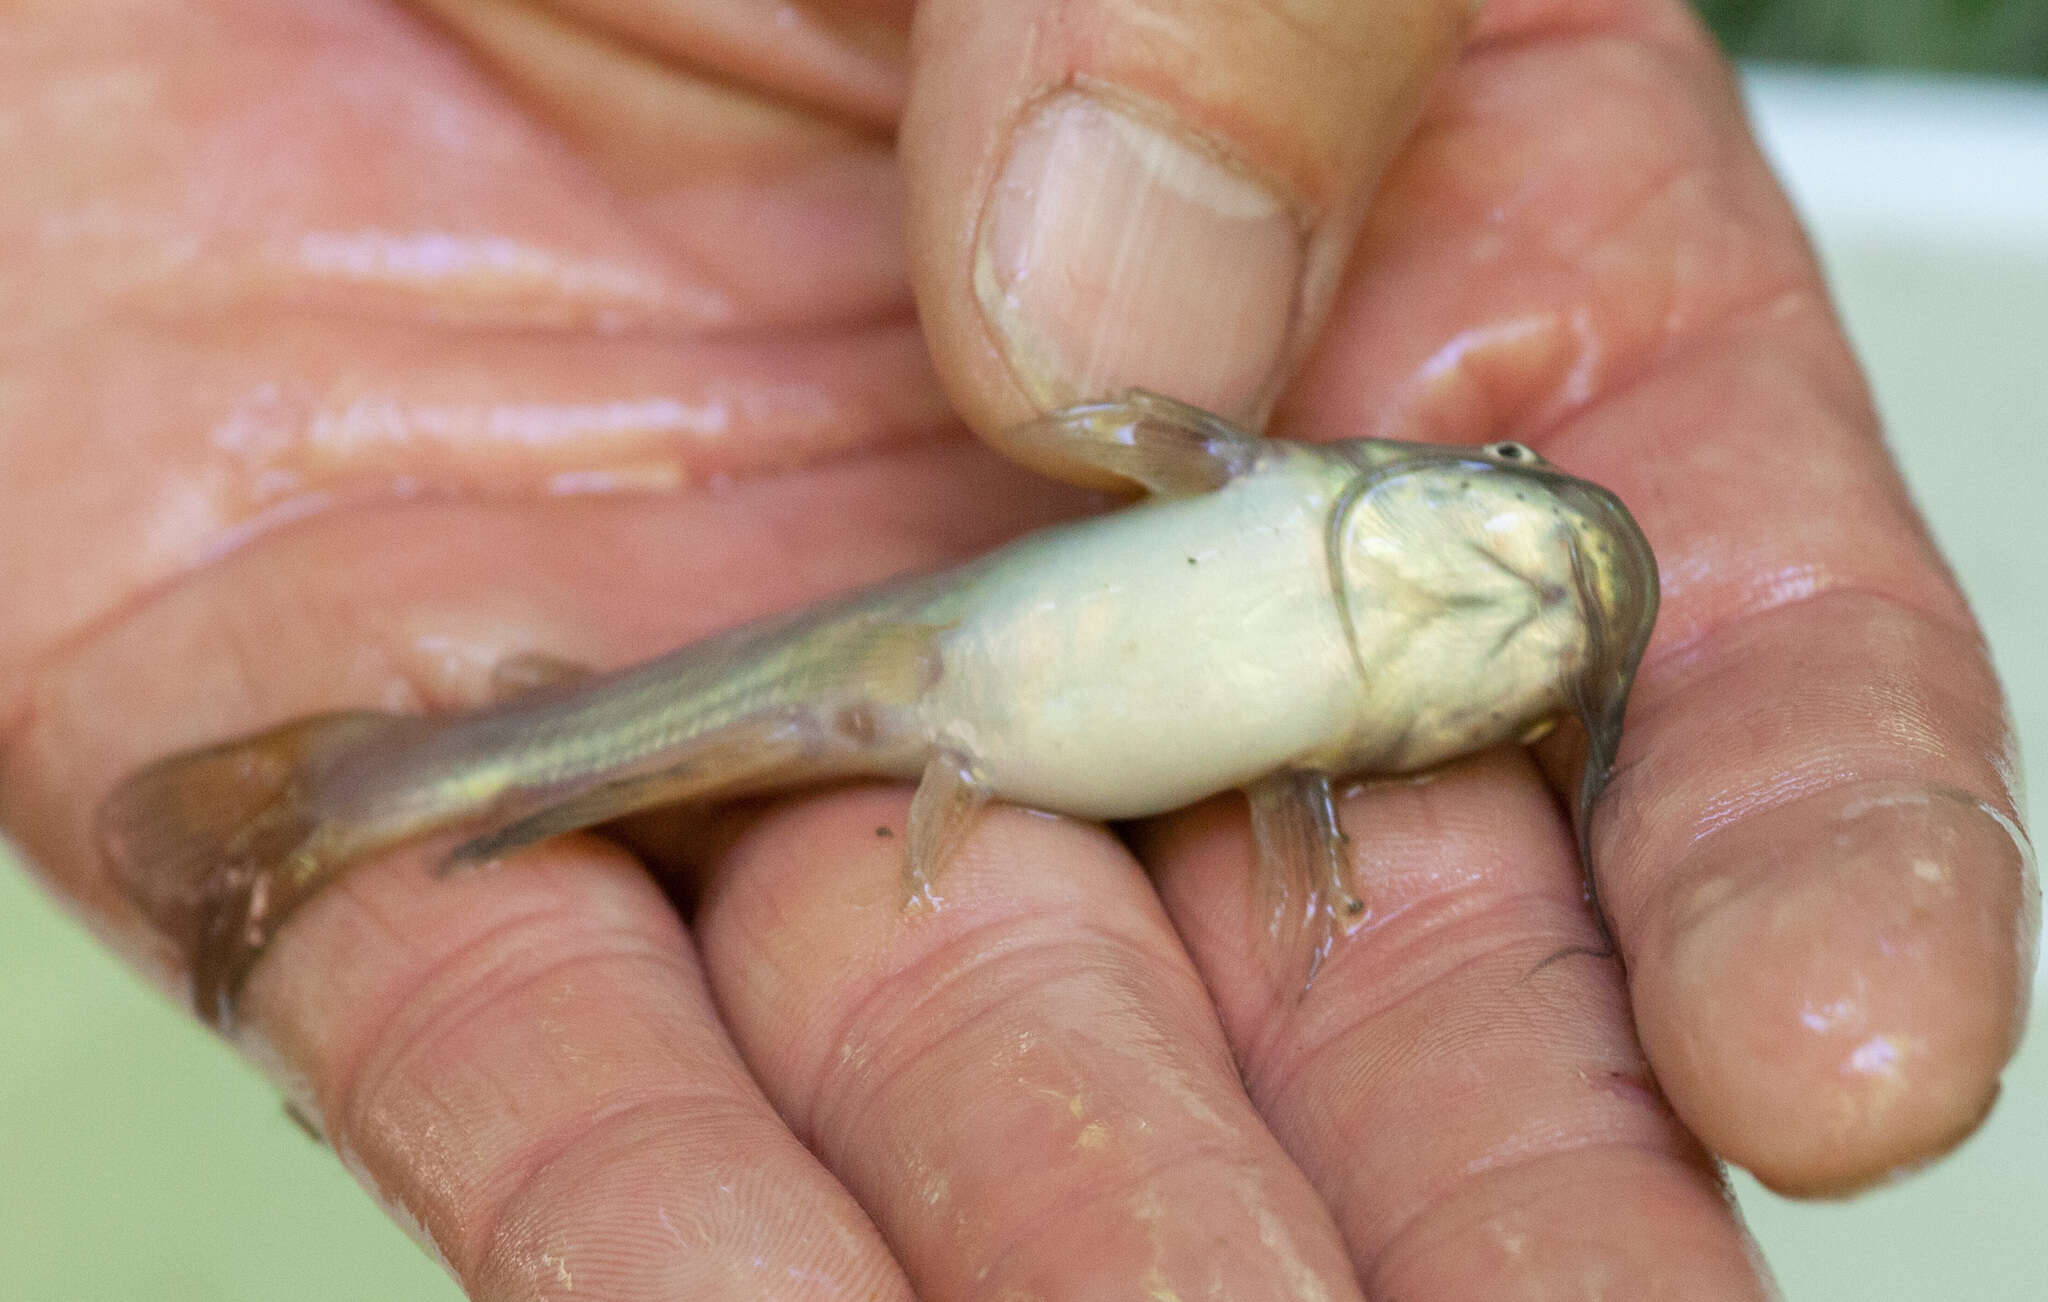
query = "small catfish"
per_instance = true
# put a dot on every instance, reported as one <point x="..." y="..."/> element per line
<point x="1272" y="616"/>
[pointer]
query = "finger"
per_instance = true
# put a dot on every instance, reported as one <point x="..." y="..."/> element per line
<point x="423" y="292"/>
<point x="525" y="1068"/>
<point x="755" y="150"/>
<point x="1026" y="1085"/>
<point x="523" y="1064"/>
<point x="1829" y="907"/>
<point x="1808" y="855"/>
<point x="1460" y="1082"/>
<point x="830" y="56"/>
<point x="1156" y="194"/>
<point x="199" y="443"/>
<point x="1813" y="860"/>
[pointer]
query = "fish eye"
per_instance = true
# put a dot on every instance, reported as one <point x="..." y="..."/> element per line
<point x="1516" y="452"/>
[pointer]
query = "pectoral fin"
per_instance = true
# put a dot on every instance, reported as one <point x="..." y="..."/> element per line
<point x="949" y="797"/>
<point x="1304" y="869"/>
<point x="1169" y="447"/>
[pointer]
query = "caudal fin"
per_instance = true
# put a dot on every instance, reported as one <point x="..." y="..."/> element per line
<point x="218" y="846"/>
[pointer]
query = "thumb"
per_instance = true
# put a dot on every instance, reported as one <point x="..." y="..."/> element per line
<point x="1149" y="193"/>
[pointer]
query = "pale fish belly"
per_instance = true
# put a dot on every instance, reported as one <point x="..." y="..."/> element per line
<point x="1153" y="657"/>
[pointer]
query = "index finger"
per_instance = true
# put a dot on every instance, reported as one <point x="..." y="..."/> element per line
<point x="1809" y="850"/>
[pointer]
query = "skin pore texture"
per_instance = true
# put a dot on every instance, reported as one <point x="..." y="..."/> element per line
<point x="353" y="348"/>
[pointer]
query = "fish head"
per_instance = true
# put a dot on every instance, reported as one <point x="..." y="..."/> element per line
<point x="1491" y="591"/>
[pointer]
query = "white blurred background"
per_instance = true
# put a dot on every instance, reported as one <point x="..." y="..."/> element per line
<point x="1928" y="199"/>
<point x="138" y="1160"/>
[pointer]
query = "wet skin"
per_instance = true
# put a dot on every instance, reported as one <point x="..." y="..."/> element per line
<point x="605" y="345"/>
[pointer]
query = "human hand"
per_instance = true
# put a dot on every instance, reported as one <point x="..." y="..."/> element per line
<point x="347" y="359"/>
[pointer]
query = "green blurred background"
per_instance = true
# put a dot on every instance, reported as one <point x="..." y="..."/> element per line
<point x="140" y="1160"/>
<point x="2007" y="37"/>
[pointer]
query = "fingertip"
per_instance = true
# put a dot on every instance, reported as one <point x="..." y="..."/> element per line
<point x="1832" y="989"/>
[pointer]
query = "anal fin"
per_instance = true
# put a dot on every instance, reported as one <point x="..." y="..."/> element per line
<point x="747" y="752"/>
<point x="1304" y="867"/>
<point x="950" y="795"/>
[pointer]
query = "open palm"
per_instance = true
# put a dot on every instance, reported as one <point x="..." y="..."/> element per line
<point x="351" y="348"/>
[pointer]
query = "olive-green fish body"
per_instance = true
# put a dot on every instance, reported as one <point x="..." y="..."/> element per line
<point x="1275" y="614"/>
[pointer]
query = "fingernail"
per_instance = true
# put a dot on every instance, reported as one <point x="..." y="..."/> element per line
<point x="1117" y="252"/>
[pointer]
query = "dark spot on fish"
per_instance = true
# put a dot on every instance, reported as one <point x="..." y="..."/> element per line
<point x="931" y="668"/>
<point x="884" y="832"/>
<point x="857" y="724"/>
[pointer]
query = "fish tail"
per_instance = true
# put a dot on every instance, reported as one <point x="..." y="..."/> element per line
<point x="217" y="846"/>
